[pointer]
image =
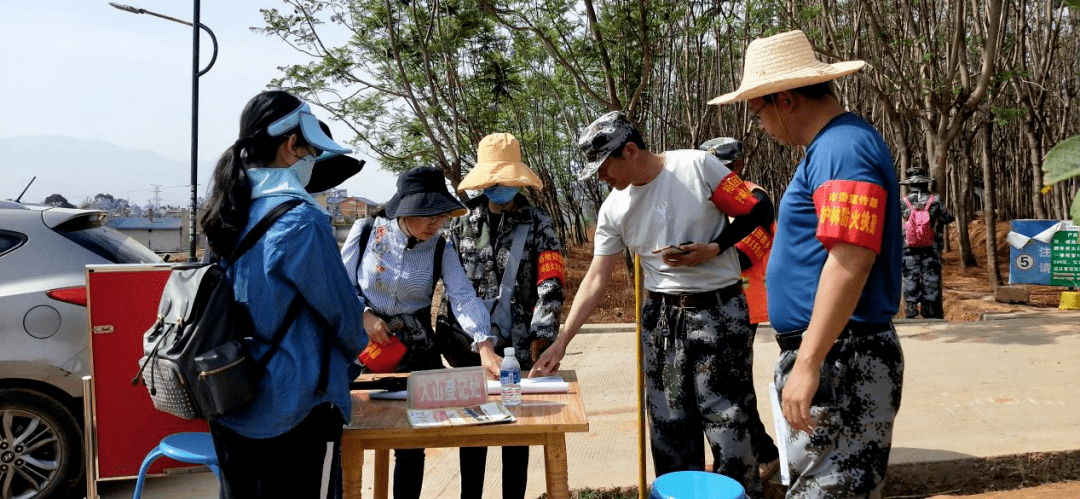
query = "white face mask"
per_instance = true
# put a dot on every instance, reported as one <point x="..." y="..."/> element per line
<point x="303" y="168"/>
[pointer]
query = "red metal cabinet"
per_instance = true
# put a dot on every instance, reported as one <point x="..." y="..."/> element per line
<point x="122" y="303"/>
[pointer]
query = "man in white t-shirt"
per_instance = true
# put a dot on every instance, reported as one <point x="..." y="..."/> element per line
<point x="672" y="209"/>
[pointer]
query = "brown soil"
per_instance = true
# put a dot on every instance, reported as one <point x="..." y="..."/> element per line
<point x="967" y="292"/>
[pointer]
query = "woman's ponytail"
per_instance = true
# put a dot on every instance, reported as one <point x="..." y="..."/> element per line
<point x="226" y="213"/>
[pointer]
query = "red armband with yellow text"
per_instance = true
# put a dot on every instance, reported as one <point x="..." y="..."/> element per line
<point x="852" y="212"/>
<point x="733" y="197"/>
<point x="756" y="246"/>
<point x="550" y="265"/>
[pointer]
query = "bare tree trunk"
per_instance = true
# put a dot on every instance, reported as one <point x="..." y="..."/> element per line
<point x="958" y="183"/>
<point x="993" y="272"/>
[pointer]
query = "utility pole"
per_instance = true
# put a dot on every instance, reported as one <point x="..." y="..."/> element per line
<point x="195" y="74"/>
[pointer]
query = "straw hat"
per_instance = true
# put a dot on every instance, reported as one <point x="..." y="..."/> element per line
<point x="498" y="162"/>
<point x="783" y="62"/>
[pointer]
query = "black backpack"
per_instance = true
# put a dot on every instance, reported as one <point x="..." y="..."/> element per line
<point x="195" y="364"/>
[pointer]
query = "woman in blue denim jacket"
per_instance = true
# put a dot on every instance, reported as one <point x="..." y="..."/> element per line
<point x="287" y="442"/>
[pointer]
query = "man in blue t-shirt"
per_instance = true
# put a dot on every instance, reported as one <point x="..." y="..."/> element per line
<point x="838" y="251"/>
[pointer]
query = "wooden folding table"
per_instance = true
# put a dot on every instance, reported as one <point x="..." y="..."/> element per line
<point x="541" y="419"/>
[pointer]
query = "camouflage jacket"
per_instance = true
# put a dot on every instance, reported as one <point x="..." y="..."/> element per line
<point x="538" y="292"/>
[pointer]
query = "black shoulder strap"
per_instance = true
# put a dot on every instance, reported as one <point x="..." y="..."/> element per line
<point x="260" y="228"/>
<point x="365" y="233"/>
<point x="436" y="271"/>
<point x="291" y="314"/>
<point x="298" y="304"/>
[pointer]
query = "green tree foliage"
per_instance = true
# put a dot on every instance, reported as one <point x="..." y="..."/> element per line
<point x="419" y="82"/>
<point x="977" y="92"/>
<point x="58" y="201"/>
<point x="1062" y="163"/>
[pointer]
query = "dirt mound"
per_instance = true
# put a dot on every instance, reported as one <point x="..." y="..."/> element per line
<point x="967" y="292"/>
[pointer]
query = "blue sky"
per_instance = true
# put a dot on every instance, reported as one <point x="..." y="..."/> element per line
<point x="84" y="70"/>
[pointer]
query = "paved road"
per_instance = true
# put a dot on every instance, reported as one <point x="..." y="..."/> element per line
<point x="991" y="388"/>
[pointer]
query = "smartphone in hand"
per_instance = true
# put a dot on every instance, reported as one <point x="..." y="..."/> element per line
<point x="671" y="247"/>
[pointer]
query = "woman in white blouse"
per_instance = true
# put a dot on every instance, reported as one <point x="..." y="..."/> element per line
<point x="391" y="259"/>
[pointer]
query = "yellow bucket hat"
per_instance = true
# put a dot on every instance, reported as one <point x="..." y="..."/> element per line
<point x="783" y="62"/>
<point x="498" y="162"/>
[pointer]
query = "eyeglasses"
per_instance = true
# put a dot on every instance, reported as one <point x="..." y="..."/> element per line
<point x="435" y="219"/>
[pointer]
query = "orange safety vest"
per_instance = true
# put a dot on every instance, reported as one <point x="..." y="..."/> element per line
<point x="757" y="247"/>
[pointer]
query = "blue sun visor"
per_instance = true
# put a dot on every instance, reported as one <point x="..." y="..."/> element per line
<point x="309" y="128"/>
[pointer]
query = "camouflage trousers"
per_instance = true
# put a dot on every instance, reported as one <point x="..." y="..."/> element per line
<point x="854" y="409"/>
<point x="922" y="283"/>
<point x="699" y="377"/>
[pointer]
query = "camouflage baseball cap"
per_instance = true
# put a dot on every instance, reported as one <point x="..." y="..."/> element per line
<point x="916" y="175"/>
<point x="601" y="138"/>
<point x="725" y="148"/>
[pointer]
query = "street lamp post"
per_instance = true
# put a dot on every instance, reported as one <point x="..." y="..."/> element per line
<point x="195" y="74"/>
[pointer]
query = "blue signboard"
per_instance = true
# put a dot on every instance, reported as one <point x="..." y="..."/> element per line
<point x="1043" y="252"/>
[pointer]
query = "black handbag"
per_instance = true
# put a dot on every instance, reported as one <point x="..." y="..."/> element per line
<point x="456" y="345"/>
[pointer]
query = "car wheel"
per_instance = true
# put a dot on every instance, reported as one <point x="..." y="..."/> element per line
<point x="41" y="452"/>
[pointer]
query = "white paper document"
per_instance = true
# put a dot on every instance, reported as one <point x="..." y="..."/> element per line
<point x="490" y="412"/>
<point x="547" y="384"/>
<point x="782" y="430"/>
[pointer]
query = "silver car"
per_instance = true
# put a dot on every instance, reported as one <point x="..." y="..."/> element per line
<point x="43" y="340"/>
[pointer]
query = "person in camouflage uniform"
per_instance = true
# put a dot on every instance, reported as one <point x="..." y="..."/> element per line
<point x="837" y="251"/>
<point x="672" y="210"/>
<point x="922" y="266"/>
<point x="753" y="258"/>
<point x="484" y="237"/>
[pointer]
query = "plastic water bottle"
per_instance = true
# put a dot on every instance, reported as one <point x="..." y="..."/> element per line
<point x="510" y="378"/>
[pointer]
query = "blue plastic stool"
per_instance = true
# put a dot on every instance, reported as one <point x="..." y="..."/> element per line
<point x="696" y="485"/>
<point x="185" y="447"/>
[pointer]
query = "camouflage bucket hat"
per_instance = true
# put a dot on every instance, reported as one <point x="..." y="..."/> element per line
<point x="726" y="149"/>
<point x="602" y="137"/>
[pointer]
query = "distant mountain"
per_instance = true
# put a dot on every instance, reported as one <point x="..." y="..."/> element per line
<point x="79" y="169"/>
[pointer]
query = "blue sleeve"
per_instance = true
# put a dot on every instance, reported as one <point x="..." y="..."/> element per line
<point x="310" y="262"/>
